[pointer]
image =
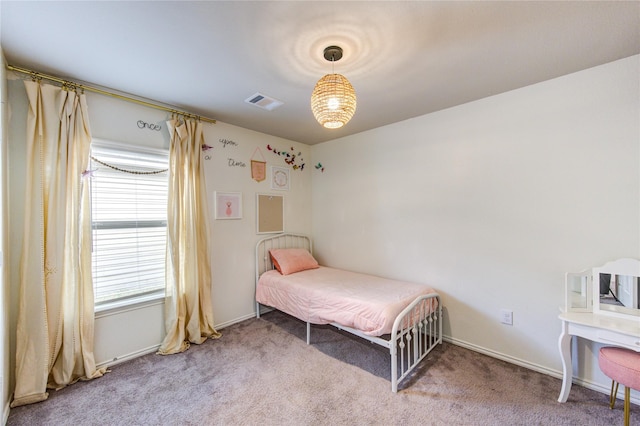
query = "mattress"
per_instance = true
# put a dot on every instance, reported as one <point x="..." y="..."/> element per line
<point x="328" y="295"/>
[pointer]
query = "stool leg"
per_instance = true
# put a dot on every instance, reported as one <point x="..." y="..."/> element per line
<point x="613" y="395"/>
<point x="627" y="405"/>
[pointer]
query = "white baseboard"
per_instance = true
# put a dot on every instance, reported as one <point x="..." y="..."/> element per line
<point x="536" y="367"/>
<point x="151" y="349"/>
<point x="235" y="321"/>
<point x="504" y="357"/>
<point x="5" y="412"/>
<point x="122" y="358"/>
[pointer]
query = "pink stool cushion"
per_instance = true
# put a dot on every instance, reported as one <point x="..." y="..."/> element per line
<point x="621" y="365"/>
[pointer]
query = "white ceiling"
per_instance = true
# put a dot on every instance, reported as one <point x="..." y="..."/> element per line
<point x="404" y="58"/>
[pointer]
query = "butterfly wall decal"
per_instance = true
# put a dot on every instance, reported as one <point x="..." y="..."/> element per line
<point x="292" y="159"/>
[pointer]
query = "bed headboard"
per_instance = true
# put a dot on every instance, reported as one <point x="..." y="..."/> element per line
<point x="263" y="260"/>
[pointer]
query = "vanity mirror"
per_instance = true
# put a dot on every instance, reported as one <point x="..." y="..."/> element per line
<point x="578" y="292"/>
<point x="616" y="288"/>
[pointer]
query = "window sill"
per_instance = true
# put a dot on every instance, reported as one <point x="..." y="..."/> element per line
<point x="118" y="306"/>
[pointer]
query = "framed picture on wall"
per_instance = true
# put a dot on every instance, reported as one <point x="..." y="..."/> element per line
<point x="228" y="205"/>
<point x="270" y="213"/>
<point x="280" y="178"/>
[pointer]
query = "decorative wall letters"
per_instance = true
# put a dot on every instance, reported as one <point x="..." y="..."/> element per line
<point x="142" y="125"/>
<point x="226" y="142"/>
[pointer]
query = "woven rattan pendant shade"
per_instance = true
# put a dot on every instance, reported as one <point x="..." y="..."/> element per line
<point x="333" y="101"/>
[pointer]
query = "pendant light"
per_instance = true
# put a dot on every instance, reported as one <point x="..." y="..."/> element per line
<point x="333" y="100"/>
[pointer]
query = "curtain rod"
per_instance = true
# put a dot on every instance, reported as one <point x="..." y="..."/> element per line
<point x="38" y="75"/>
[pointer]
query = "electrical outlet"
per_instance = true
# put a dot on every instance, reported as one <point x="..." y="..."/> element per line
<point x="506" y="317"/>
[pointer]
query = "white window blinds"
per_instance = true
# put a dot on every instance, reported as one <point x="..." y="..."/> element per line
<point x="129" y="222"/>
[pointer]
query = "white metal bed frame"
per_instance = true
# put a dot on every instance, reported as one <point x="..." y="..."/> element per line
<point x="416" y="331"/>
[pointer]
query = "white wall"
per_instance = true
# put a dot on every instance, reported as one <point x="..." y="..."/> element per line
<point x="491" y="203"/>
<point x="127" y="333"/>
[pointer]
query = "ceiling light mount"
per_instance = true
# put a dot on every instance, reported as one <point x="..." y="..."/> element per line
<point x="333" y="53"/>
<point x="333" y="101"/>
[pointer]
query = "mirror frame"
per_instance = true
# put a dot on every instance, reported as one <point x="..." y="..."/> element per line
<point x="583" y="279"/>
<point x="629" y="267"/>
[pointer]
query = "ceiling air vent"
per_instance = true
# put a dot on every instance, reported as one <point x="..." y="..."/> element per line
<point x="263" y="101"/>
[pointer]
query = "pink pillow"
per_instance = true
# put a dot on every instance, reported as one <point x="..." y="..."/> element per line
<point x="288" y="261"/>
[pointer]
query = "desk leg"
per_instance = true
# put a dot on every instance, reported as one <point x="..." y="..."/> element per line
<point x="564" y="344"/>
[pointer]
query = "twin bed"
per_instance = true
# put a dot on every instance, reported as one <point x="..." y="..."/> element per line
<point x="404" y="317"/>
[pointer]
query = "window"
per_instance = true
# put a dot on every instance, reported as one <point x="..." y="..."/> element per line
<point x="129" y="222"/>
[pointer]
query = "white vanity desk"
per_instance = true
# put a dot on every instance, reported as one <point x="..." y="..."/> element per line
<point x="600" y="328"/>
<point x="601" y="305"/>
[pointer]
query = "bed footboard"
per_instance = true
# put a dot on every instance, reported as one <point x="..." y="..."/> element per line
<point x="416" y="331"/>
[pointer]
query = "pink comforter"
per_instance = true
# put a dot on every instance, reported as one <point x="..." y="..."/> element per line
<point x="327" y="295"/>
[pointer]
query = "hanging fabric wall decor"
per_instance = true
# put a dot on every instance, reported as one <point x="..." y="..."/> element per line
<point x="258" y="168"/>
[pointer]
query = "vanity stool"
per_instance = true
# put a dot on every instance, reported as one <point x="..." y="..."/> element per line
<point x="622" y="366"/>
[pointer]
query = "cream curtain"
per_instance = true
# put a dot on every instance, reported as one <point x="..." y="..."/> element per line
<point x="55" y="319"/>
<point x="188" y="308"/>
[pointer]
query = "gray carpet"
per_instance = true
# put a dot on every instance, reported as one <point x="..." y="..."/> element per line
<point x="262" y="372"/>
